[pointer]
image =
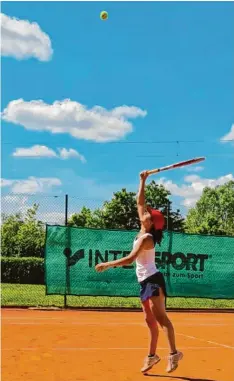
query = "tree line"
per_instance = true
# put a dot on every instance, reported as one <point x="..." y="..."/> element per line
<point x="24" y="236"/>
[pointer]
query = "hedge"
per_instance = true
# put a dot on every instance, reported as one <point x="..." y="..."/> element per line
<point x="25" y="270"/>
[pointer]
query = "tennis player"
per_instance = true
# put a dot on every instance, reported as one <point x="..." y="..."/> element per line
<point x="152" y="284"/>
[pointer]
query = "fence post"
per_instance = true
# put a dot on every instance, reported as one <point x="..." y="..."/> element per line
<point x="168" y="213"/>
<point x="66" y="208"/>
<point x="67" y="269"/>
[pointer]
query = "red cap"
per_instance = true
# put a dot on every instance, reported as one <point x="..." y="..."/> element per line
<point x="157" y="218"/>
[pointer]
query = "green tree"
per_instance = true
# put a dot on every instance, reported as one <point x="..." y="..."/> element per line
<point x="22" y="237"/>
<point x="175" y="221"/>
<point x="157" y="196"/>
<point x="121" y="211"/>
<point x="9" y="231"/>
<point x="31" y="235"/>
<point x="214" y="212"/>
<point x="87" y="218"/>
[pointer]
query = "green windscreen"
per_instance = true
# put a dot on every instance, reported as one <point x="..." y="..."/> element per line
<point x="193" y="265"/>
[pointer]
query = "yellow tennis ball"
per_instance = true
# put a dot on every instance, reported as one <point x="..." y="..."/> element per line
<point x="104" y="15"/>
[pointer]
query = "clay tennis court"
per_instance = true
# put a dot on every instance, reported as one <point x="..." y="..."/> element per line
<point x="110" y="346"/>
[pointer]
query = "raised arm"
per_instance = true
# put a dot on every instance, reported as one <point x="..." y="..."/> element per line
<point x="141" y="195"/>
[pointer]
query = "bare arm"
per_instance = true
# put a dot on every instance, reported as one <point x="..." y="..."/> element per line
<point x="144" y="243"/>
<point x="141" y="195"/>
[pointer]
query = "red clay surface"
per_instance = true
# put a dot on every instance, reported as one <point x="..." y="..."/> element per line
<point x="110" y="346"/>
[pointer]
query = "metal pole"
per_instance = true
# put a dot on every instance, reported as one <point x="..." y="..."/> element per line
<point x="168" y="213"/>
<point x="66" y="208"/>
<point x="66" y="220"/>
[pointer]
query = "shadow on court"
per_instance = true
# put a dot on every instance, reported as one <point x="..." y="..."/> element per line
<point x="179" y="378"/>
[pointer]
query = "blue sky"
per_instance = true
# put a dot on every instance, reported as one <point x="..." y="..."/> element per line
<point x="159" y="71"/>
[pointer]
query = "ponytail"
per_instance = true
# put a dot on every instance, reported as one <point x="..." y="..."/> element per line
<point x="157" y="235"/>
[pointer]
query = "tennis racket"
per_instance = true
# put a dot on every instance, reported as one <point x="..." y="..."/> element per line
<point x="177" y="165"/>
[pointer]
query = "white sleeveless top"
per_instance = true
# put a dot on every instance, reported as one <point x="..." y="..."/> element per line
<point x="145" y="262"/>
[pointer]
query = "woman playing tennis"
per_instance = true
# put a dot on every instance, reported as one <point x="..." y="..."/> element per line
<point x="151" y="280"/>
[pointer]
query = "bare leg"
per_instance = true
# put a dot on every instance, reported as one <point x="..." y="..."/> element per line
<point x="157" y="305"/>
<point x="153" y="327"/>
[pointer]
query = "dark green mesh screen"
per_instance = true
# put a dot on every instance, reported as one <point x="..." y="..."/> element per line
<point x="193" y="265"/>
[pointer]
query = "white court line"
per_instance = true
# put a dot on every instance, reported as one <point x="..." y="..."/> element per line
<point x="128" y="349"/>
<point x="213" y="318"/>
<point x="124" y="324"/>
<point x="34" y="318"/>
<point x="62" y="319"/>
<point x="102" y="349"/>
<point x="18" y="349"/>
<point x="205" y="341"/>
<point x="65" y="322"/>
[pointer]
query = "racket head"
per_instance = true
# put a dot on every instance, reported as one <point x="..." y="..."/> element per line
<point x="189" y="162"/>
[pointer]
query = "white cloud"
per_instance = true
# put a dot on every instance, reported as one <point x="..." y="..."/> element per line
<point x="51" y="217"/>
<point x="73" y="118"/>
<point x="31" y="185"/>
<point x="127" y="112"/>
<point x="35" y="151"/>
<point x="194" y="169"/>
<point x="11" y="204"/>
<point x="5" y="183"/>
<point x="230" y="136"/>
<point x="92" y="191"/>
<point x="67" y="153"/>
<point x="43" y="151"/>
<point x="22" y="39"/>
<point x="50" y="210"/>
<point x="190" y="193"/>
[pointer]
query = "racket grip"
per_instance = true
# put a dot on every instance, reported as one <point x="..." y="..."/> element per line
<point x="153" y="171"/>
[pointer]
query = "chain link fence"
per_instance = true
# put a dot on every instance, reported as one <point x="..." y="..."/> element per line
<point x="23" y="225"/>
<point x="51" y="208"/>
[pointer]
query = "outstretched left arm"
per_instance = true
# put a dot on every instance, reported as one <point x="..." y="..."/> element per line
<point x="123" y="261"/>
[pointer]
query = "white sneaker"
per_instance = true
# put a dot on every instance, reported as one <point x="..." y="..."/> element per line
<point x="149" y="363"/>
<point x="173" y="361"/>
